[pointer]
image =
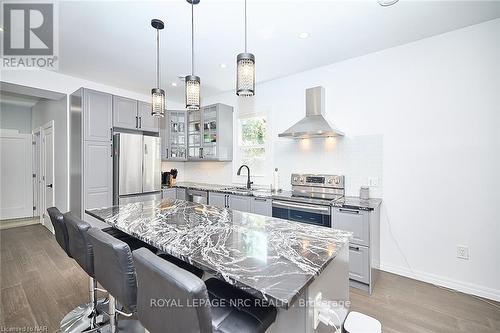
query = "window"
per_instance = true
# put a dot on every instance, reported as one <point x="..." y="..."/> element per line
<point x="252" y="132"/>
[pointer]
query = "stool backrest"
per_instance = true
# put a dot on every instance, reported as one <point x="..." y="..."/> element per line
<point x="114" y="267"/>
<point x="57" y="220"/>
<point x="79" y="244"/>
<point x="167" y="296"/>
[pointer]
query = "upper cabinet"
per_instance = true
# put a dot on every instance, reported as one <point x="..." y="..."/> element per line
<point x="147" y="122"/>
<point x="131" y="114"/>
<point x="173" y="135"/>
<point x="97" y="115"/>
<point x="210" y="133"/>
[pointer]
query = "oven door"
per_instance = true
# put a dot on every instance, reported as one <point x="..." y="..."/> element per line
<point x="302" y="212"/>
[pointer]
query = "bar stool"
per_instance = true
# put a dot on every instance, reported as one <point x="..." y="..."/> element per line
<point x="90" y="315"/>
<point x="115" y="271"/>
<point x="160" y="280"/>
<point x="357" y="322"/>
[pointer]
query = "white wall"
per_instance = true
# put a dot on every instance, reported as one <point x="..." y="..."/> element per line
<point x="435" y="106"/>
<point x="43" y="112"/>
<point x="16" y="117"/>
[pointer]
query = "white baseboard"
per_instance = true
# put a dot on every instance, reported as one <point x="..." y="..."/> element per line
<point x="14" y="223"/>
<point x="464" y="287"/>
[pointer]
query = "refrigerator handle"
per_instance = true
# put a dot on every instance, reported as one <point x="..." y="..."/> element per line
<point x="145" y="149"/>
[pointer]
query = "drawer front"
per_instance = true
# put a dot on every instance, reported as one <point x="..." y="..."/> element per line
<point x="359" y="263"/>
<point x="355" y="221"/>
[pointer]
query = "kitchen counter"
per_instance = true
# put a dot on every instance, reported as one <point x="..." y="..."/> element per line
<point x="357" y="203"/>
<point x="271" y="258"/>
<point x="347" y="202"/>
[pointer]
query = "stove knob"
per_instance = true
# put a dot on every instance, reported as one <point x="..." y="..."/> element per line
<point x="295" y="179"/>
<point x="337" y="181"/>
<point x="330" y="181"/>
<point x="301" y="179"/>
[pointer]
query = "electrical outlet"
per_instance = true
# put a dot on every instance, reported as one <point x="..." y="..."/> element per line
<point x="373" y="181"/>
<point x="463" y="252"/>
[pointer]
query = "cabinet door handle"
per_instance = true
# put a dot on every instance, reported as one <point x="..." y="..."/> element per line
<point x="354" y="248"/>
<point x="111" y="134"/>
<point x="348" y="211"/>
<point x="259" y="199"/>
<point x="140" y="122"/>
<point x="111" y="149"/>
<point x="227" y="200"/>
<point x="167" y="153"/>
<point x="136" y="122"/>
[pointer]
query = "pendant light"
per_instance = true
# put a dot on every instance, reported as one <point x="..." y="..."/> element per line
<point x="192" y="81"/>
<point x="157" y="94"/>
<point x="245" y="72"/>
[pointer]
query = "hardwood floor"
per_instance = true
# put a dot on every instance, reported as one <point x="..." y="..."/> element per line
<point x="40" y="284"/>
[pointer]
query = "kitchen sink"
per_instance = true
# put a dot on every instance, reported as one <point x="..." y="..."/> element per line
<point x="241" y="190"/>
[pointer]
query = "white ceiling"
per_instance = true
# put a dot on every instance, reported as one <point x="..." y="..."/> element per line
<point x="112" y="42"/>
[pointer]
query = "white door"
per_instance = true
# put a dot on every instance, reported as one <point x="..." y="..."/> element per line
<point x="48" y="191"/>
<point x="16" y="192"/>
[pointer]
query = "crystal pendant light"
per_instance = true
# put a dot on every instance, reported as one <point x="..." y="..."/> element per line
<point x="157" y="95"/>
<point x="192" y="81"/>
<point x="245" y="72"/>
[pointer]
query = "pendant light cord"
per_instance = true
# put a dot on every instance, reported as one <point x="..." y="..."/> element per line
<point x="245" y="26"/>
<point x="158" y="58"/>
<point x="192" y="37"/>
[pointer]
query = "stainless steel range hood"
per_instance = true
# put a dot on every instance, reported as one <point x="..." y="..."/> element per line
<point x="313" y="125"/>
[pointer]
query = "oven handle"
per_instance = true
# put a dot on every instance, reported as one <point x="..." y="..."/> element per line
<point x="304" y="207"/>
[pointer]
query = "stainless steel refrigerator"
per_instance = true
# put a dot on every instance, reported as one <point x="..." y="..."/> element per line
<point x="136" y="168"/>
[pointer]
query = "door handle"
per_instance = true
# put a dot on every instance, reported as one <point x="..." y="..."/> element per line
<point x="348" y="211"/>
<point x="49" y="185"/>
<point x="354" y="248"/>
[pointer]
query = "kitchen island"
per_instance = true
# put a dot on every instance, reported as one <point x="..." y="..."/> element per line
<point x="283" y="262"/>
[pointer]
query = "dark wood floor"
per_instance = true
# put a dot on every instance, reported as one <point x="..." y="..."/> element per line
<point x="40" y="284"/>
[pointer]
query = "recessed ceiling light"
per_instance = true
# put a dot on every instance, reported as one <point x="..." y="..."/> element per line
<point x="386" y="3"/>
<point x="222" y="65"/>
<point x="304" y="35"/>
<point x="174" y="84"/>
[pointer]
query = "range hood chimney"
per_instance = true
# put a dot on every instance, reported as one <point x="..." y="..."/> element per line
<point x="314" y="124"/>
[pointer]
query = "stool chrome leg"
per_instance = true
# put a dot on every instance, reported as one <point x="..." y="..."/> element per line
<point x="86" y="316"/>
<point x="112" y="314"/>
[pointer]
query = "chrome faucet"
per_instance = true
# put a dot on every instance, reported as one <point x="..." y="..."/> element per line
<point x="249" y="183"/>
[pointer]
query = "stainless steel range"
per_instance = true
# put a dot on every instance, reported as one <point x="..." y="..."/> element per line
<point x="310" y="200"/>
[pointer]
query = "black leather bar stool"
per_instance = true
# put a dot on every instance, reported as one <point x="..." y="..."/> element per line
<point x="115" y="271"/>
<point x="72" y="232"/>
<point x="160" y="280"/>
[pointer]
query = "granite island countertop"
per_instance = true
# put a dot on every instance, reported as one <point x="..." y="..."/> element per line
<point x="271" y="258"/>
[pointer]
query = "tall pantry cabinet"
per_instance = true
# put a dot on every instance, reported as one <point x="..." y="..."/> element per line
<point x="91" y="151"/>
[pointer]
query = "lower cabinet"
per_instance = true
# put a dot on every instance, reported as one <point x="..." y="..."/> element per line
<point x="217" y="199"/>
<point x="242" y="203"/>
<point x="239" y="202"/>
<point x="180" y="193"/>
<point x="359" y="263"/>
<point x="170" y="193"/>
<point x="261" y="206"/>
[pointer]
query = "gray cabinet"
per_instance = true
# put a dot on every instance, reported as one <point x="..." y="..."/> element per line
<point x="210" y="133"/>
<point x="364" y="247"/>
<point x="97" y="115"/>
<point x="261" y="206"/>
<point x="132" y="114"/>
<point x="239" y="202"/>
<point x="176" y="136"/>
<point x="230" y="201"/>
<point x="170" y="193"/>
<point x="98" y="174"/>
<point x="147" y="122"/>
<point x="125" y="113"/>
<point x="181" y="193"/>
<point x="217" y="199"/>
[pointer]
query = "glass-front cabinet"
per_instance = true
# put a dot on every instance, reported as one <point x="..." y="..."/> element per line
<point x="194" y="134"/>
<point x="177" y="135"/>
<point x="206" y="134"/>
